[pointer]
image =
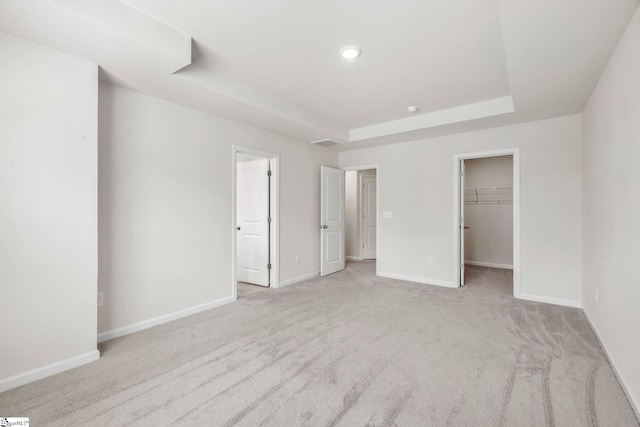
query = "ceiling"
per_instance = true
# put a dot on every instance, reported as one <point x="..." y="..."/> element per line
<point x="467" y="64"/>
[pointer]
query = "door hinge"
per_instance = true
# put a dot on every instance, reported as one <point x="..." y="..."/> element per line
<point x="269" y="220"/>
<point x="269" y="172"/>
<point x="362" y="246"/>
<point x="269" y="266"/>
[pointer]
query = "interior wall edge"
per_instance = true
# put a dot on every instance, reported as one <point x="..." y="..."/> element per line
<point x="610" y="207"/>
<point x="49" y="191"/>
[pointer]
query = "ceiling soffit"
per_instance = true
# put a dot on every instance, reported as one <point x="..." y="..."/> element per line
<point x="275" y="65"/>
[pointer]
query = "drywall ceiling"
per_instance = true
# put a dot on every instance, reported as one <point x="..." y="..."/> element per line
<point x="467" y="64"/>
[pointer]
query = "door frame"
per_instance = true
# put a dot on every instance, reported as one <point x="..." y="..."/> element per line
<point x="375" y="166"/>
<point x="274" y="241"/>
<point x="360" y="210"/>
<point x="457" y="209"/>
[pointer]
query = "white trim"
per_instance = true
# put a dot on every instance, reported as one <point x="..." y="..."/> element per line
<point x="423" y="280"/>
<point x="146" y="324"/>
<point x="548" y="300"/>
<point x="489" y="264"/>
<point x="299" y="279"/>
<point x="354" y="258"/>
<point x="274" y="235"/>
<point x="48" y="370"/>
<point x="515" y="152"/>
<point x="360" y="168"/>
<point x="633" y="404"/>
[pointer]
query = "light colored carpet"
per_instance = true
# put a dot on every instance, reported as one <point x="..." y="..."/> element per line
<point x="245" y="289"/>
<point x="349" y="349"/>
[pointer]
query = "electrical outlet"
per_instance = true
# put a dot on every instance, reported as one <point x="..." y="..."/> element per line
<point x="596" y="296"/>
<point x="298" y="258"/>
<point x="430" y="260"/>
<point x="100" y="299"/>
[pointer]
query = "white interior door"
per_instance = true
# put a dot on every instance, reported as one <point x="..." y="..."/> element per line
<point x="332" y="256"/>
<point x="368" y="209"/>
<point x="462" y="226"/>
<point x="252" y="222"/>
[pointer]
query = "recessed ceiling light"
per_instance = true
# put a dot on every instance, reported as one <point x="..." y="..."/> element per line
<point x="350" y="52"/>
<point x="412" y="109"/>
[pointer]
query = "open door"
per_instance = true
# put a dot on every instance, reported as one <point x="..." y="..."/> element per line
<point x="252" y="222"/>
<point x="332" y="256"/>
<point x="462" y="226"/>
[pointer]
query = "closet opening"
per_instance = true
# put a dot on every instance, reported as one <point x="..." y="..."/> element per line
<point x="487" y="220"/>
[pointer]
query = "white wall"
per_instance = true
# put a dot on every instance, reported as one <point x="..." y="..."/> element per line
<point x="165" y="181"/>
<point x="489" y="239"/>
<point x="415" y="182"/>
<point x="611" y="131"/>
<point x="48" y="211"/>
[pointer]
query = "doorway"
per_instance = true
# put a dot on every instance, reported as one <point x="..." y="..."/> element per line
<point x="361" y="219"/>
<point x="255" y="221"/>
<point x="368" y="215"/>
<point x="357" y="227"/>
<point x="487" y="213"/>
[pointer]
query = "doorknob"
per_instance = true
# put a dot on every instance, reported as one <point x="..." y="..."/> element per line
<point x="324" y="226"/>
<point x="238" y="228"/>
<point x="466" y="227"/>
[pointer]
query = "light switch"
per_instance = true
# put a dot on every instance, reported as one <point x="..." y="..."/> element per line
<point x="386" y="214"/>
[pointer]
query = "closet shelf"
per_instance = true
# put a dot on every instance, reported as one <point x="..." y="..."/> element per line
<point x="488" y="196"/>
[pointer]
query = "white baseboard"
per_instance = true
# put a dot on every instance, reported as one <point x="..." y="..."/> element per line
<point x="634" y="405"/>
<point x="298" y="279"/>
<point x="489" y="264"/>
<point x="549" y="300"/>
<point x="354" y="258"/>
<point x="47" y="371"/>
<point x="424" y="280"/>
<point x="126" y="330"/>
